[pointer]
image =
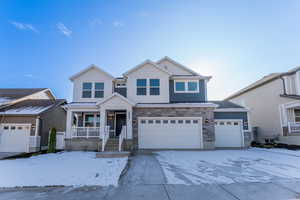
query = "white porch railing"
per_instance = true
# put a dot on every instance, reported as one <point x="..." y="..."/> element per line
<point x="294" y="127"/>
<point x="105" y="137"/>
<point x="34" y="141"/>
<point x="122" y="136"/>
<point x="85" y="132"/>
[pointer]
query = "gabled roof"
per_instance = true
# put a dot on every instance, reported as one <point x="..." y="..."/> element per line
<point x="260" y="82"/>
<point x="115" y="95"/>
<point x="31" y="107"/>
<point x="88" y="69"/>
<point x="144" y="63"/>
<point x="182" y="67"/>
<point x="10" y="95"/>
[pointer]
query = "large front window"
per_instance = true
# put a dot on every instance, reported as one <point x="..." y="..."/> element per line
<point x="91" y="120"/>
<point x="185" y="86"/>
<point x="141" y="87"/>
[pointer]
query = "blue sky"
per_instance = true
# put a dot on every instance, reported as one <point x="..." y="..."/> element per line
<point x="43" y="43"/>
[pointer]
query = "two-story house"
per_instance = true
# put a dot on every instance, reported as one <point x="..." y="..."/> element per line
<point x="274" y="104"/>
<point x="154" y="105"/>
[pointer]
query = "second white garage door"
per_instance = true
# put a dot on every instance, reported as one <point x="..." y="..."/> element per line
<point x="229" y="133"/>
<point x="170" y="133"/>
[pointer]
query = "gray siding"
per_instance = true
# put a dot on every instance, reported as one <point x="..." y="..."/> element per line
<point x="121" y="91"/>
<point x="187" y="97"/>
<point x="233" y="115"/>
<point x="54" y="118"/>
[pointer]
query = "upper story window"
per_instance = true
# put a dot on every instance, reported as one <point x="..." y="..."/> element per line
<point x="99" y="90"/>
<point x="186" y="86"/>
<point x="154" y="87"/>
<point x="141" y="87"/>
<point x="87" y="90"/>
<point x="90" y="90"/>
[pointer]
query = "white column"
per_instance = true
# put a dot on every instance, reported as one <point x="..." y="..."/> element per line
<point x="102" y="121"/>
<point x="129" y="123"/>
<point x="69" y="124"/>
<point x="37" y="126"/>
<point x="297" y="82"/>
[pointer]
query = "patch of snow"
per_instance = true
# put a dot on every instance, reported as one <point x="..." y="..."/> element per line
<point x="5" y="100"/>
<point x="65" y="168"/>
<point x="228" y="166"/>
<point x="28" y="110"/>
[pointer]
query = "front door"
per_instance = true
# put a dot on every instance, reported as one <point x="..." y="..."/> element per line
<point x="120" y="121"/>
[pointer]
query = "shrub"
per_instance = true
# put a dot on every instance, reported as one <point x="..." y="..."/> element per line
<point x="52" y="141"/>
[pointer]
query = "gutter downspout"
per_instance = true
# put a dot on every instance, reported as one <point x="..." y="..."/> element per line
<point x="284" y="89"/>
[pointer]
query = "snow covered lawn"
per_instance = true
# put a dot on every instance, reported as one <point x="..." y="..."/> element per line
<point x="230" y="166"/>
<point x="65" y="168"/>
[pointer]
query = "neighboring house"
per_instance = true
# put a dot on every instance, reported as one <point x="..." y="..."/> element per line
<point x="155" y="105"/>
<point x="274" y="104"/>
<point x="26" y="116"/>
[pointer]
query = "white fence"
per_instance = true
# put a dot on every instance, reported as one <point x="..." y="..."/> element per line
<point x="85" y="132"/>
<point x="294" y="127"/>
<point x="60" y="140"/>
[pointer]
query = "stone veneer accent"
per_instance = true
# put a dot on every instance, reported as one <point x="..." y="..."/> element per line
<point x="91" y="144"/>
<point x="206" y="114"/>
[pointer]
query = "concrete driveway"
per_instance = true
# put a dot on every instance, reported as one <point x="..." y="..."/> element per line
<point x="145" y="179"/>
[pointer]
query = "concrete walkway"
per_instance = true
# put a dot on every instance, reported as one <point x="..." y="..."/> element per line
<point x="145" y="180"/>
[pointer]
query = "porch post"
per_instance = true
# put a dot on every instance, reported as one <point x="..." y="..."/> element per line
<point x="37" y="126"/>
<point x="69" y="124"/>
<point x="102" y="121"/>
<point x="129" y="123"/>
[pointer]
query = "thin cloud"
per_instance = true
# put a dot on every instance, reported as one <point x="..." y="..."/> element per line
<point x="96" y="22"/>
<point x="118" y="24"/>
<point x="63" y="29"/>
<point x="31" y="76"/>
<point x="23" y="26"/>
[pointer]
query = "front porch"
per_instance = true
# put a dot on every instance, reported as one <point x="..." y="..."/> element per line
<point x="102" y="126"/>
<point x="290" y="119"/>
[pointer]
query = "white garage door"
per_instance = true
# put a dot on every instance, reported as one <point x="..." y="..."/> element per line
<point x="14" y="137"/>
<point x="170" y="133"/>
<point x="228" y="133"/>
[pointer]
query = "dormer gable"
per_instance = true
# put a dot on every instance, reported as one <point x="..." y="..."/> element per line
<point x="146" y="63"/>
<point x="92" y="68"/>
<point x="91" y="84"/>
<point x="174" y="67"/>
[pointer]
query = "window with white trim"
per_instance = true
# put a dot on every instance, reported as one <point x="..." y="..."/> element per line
<point x="99" y="90"/>
<point x="87" y="90"/>
<point x="141" y="86"/>
<point x="154" y="87"/>
<point x="186" y="86"/>
<point x="297" y="115"/>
